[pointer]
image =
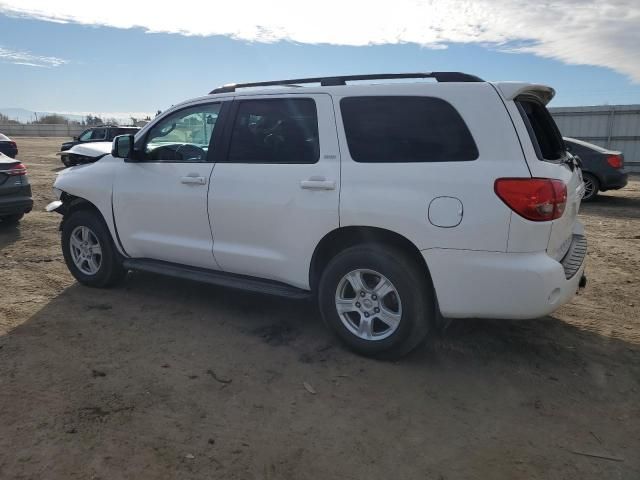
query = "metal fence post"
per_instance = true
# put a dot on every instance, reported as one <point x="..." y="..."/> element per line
<point x="612" y="114"/>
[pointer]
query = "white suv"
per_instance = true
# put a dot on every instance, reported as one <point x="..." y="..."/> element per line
<point x="393" y="203"/>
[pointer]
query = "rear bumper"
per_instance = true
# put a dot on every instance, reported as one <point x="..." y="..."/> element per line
<point x="18" y="202"/>
<point x="15" y="205"/>
<point x="472" y="284"/>
<point x="614" y="180"/>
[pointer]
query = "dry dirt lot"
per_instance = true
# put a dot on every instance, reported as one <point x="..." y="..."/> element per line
<point x="162" y="378"/>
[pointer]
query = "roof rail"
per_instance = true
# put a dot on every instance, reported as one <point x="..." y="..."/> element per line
<point x="343" y="79"/>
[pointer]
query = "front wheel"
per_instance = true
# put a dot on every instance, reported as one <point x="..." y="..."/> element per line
<point x="89" y="251"/>
<point x="377" y="300"/>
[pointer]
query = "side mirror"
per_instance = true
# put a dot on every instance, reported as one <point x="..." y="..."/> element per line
<point x="122" y="147"/>
<point x="76" y="138"/>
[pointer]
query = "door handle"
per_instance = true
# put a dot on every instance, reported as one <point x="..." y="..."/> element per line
<point x="318" y="183"/>
<point x="193" y="180"/>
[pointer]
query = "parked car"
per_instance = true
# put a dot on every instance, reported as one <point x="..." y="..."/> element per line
<point x="85" y="153"/>
<point x="15" y="190"/>
<point x="393" y="204"/>
<point x="103" y="133"/>
<point x="8" y="146"/>
<point x="602" y="169"/>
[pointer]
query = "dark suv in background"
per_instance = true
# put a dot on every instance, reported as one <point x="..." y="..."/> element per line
<point x="103" y="133"/>
<point x="602" y="169"/>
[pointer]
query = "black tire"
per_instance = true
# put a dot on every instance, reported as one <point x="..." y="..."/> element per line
<point x="110" y="270"/>
<point x="413" y="287"/>
<point x="592" y="187"/>
<point x="11" y="219"/>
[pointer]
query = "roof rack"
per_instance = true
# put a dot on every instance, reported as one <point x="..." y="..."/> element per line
<point x="343" y="79"/>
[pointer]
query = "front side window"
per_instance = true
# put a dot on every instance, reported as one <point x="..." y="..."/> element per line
<point x="396" y="129"/>
<point x="183" y="136"/>
<point x="542" y="129"/>
<point x="282" y="130"/>
<point x="86" y="136"/>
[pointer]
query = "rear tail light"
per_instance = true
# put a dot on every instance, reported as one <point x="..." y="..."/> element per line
<point x="16" y="170"/>
<point x="615" y="161"/>
<point x="13" y="144"/>
<point x="536" y="199"/>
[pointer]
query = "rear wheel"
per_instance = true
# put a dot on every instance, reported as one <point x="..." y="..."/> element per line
<point x="377" y="300"/>
<point x="89" y="251"/>
<point x="591" y="187"/>
<point x="11" y="219"/>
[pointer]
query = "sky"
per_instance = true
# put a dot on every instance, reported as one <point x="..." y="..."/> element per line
<point x="123" y="57"/>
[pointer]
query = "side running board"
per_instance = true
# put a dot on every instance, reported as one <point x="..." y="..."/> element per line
<point x="223" y="279"/>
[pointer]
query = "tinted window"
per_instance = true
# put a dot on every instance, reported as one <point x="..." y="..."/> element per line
<point x="405" y="129"/>
<point x="576" y="148"/>
<point x="183" y="136"/>
<point x="281" y="130"/>
<point x="124" y="131"/>
<point x="99" y="134"/>
<point x="543" y="131"/>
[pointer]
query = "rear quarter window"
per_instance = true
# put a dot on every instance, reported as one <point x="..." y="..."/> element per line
<point x="397" y="129"/>
<point x="544" y="134"/>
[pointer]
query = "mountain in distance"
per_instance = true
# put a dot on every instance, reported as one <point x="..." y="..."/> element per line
<point x="23" y="115"/>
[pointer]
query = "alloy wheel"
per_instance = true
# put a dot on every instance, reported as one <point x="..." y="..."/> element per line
<point x="368" y="304"/>
<point x="86" y="251"/>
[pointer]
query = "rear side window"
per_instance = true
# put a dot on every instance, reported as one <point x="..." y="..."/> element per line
<point x="543" y="131"/>
<point x="280" y="130"/>
<point x="400" y="129"/>
<point x="577" y="149"/>
<point x="99" y="134"/>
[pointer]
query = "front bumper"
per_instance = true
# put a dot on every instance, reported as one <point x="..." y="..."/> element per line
<point x="54" y="206"/>
<point x="473" y="284"/>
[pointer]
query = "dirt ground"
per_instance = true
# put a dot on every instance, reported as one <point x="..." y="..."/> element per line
<point x="164" y="379"/>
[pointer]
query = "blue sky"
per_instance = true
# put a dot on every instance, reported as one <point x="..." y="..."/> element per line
<point x="85" y="66"/>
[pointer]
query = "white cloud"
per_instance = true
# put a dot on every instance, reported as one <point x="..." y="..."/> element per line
<point x="29" y="59"/>
<point x="589" y="32"/>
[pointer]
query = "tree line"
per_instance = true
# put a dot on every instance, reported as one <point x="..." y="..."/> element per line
<point x="88" y="121"/>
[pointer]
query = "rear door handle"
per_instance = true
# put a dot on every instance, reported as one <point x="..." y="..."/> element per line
<point x="318" y="183"/>
<point x="193" y="180"/>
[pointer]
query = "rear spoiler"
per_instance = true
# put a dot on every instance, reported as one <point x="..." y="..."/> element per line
<point x="511" y="90"/>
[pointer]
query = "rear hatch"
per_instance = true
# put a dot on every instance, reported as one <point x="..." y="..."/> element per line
<point x="547" y="157"/>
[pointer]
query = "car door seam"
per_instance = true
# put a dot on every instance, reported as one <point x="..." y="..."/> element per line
<point x="115" y="228"/>
<point x="335" y="125"/>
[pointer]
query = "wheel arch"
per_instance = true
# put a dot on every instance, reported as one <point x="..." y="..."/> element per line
<point x="72" y="203"/>
<point x="344" y="237"/>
